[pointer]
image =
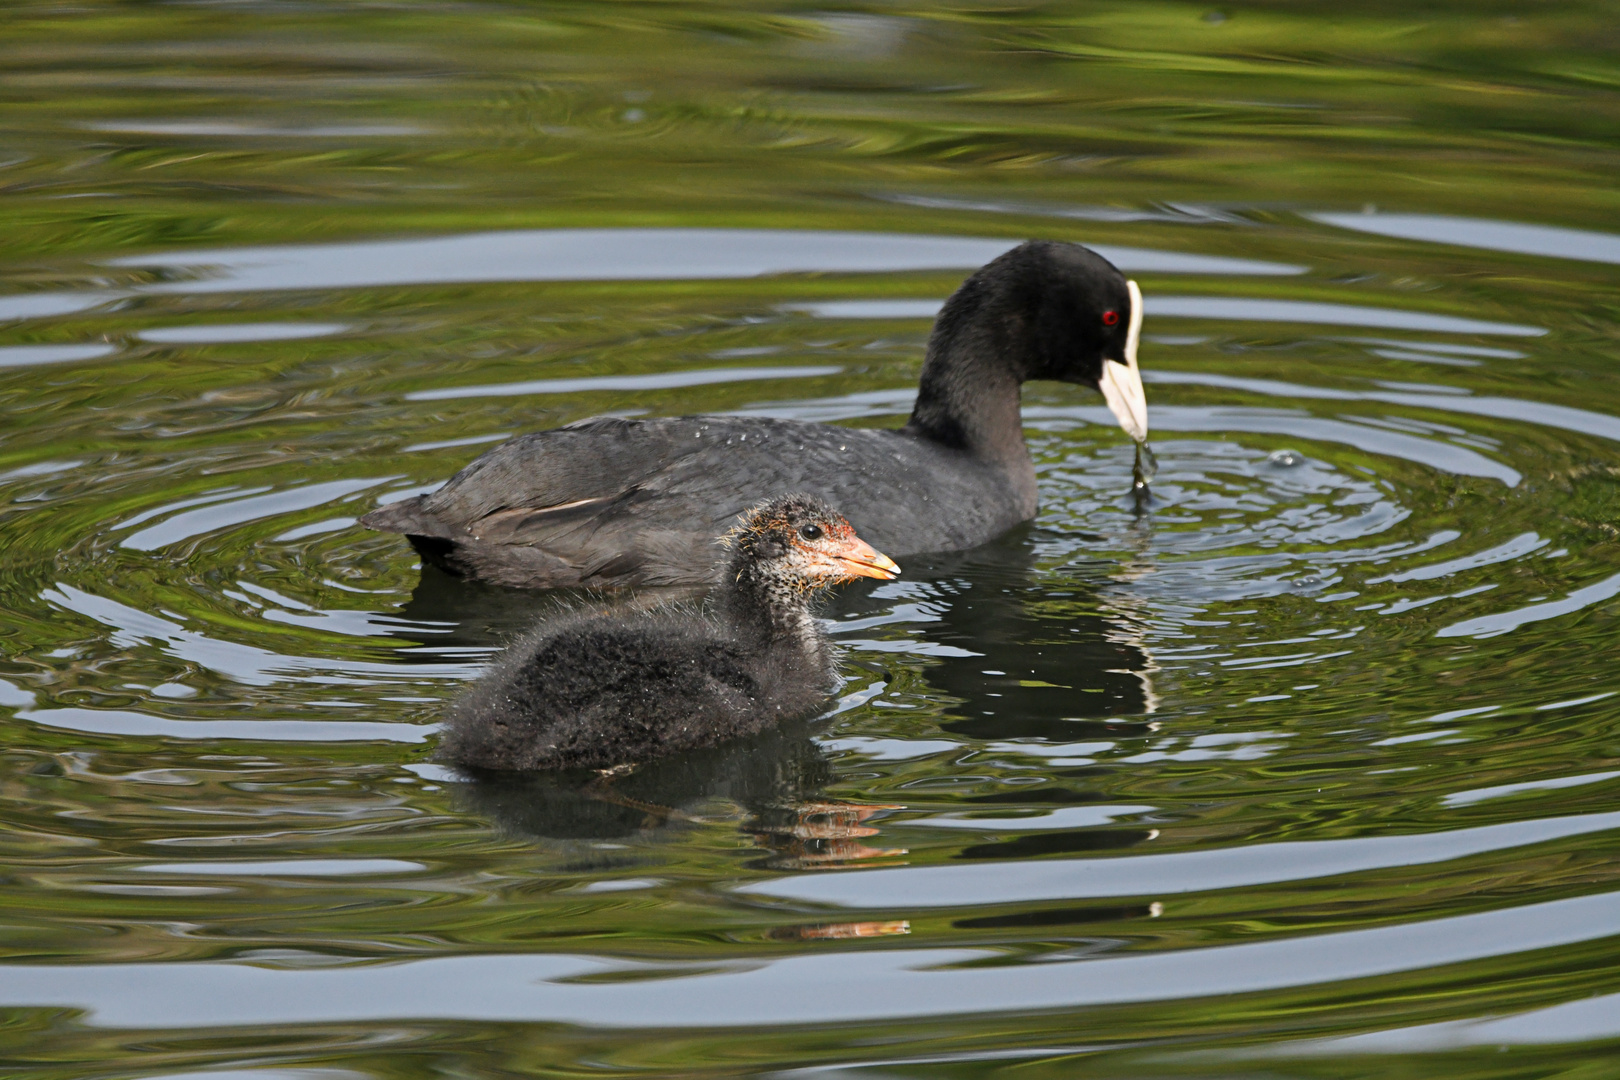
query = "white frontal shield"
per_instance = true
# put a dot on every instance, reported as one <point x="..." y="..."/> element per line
<point x="1121" y="384"/>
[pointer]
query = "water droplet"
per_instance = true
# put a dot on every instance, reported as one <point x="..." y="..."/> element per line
<point x="1285" y="459"/>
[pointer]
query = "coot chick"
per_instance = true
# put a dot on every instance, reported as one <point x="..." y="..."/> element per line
<point x="610" y="502"/>
<point x="598" y="691"/>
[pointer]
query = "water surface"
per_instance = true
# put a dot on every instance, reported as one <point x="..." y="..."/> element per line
<point x="1311" y="770"/>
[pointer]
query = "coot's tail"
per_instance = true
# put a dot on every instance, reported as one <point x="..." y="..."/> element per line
<point x="518" y="566"/>
<point x="408" y="516"/>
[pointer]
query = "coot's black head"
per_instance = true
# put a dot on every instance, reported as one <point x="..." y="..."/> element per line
<point x="796" y="544"/>
<point x="1056" y="310"/>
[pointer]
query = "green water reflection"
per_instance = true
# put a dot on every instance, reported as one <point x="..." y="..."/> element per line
<point x="1310" y="771"/>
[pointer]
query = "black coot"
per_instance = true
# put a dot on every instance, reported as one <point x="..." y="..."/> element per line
<point x="598" y="691"/>
<point x="610" y="502"/>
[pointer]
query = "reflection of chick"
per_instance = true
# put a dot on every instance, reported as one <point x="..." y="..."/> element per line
<point x="727" y="784"/>
<point x="816" y="834"/>
<point x="838" y="931"/>
<point x="603" y="690"/>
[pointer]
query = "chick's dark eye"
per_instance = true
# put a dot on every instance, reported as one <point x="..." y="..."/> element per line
<point x="810" y="532"/>
<point x="1110" y="318"/>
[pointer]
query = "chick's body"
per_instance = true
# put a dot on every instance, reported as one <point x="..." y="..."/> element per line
<point x="595" y="691"/>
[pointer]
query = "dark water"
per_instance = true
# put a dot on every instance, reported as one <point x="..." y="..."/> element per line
<point x="1312" y="771"/>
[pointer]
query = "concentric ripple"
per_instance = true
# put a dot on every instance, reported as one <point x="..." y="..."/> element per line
<point x="1308" y="767"/>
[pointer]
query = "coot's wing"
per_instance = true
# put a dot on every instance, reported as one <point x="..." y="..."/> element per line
<point x="610" y="501"/>
<point x="604" y="499"/>
<point x="597" y="459"/>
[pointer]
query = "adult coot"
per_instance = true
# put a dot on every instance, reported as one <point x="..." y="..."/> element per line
<point x="611" y="502"/>
<point x="597" y="691"/>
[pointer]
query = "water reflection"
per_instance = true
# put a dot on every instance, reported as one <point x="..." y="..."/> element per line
<point x="1357" y="432"/>
<point x="769" y="786"/>
<point x="1505" y="622"/>
<point x="1022" y="658"/>
<point x="459" y="615"/>
<point x="1328" y="733"/>
<point x="1549" y="241"/>
<point x="819" y="834"/>
<point x="46" y="305"/>
<point x="1168" y="873"/>
<point x="614" y="255"/>
<point x="852" y="985"/>
<point x="1323" y="314"/>
<point x="224" y="514"/>
<point x="559" y="255"/>
<point x="1569" y="418"/>
<point x="229" y="333"/>
<point x="238" y="129"/>
<point x="216" y="650"/>
<point x="1016" y="656"/>
<point x="1591" y="1020"/>
<point x="1230" y="308"/>
<point x="13" y="356"/>
<point x="661" y="381"/>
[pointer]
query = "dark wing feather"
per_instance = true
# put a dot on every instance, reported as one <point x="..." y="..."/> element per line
<point x="611" y="501"/>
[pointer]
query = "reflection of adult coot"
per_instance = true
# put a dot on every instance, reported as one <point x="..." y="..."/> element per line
<point x="764" y="774"/>
<point x="1046" y="663"/>
<point x="445" y="612"/>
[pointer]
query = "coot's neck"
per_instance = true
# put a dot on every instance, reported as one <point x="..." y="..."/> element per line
<point x="766" y="610"/>
<point x="968" y="398"/>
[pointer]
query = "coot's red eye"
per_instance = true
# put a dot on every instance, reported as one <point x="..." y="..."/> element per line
<point x="1110" y="318"/>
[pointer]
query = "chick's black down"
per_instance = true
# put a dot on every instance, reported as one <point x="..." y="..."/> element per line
<point x="598" y="691"/>
<point x="602" y="690"/>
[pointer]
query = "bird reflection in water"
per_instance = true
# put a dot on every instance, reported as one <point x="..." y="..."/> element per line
<point x="450" y="616"/>
<point x="769" y="785"/>
<point x="1025" y="653"/>
<point x="818" y="834"/>
<point x="838" y="931"/>
<point x="1021" y="654"/>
